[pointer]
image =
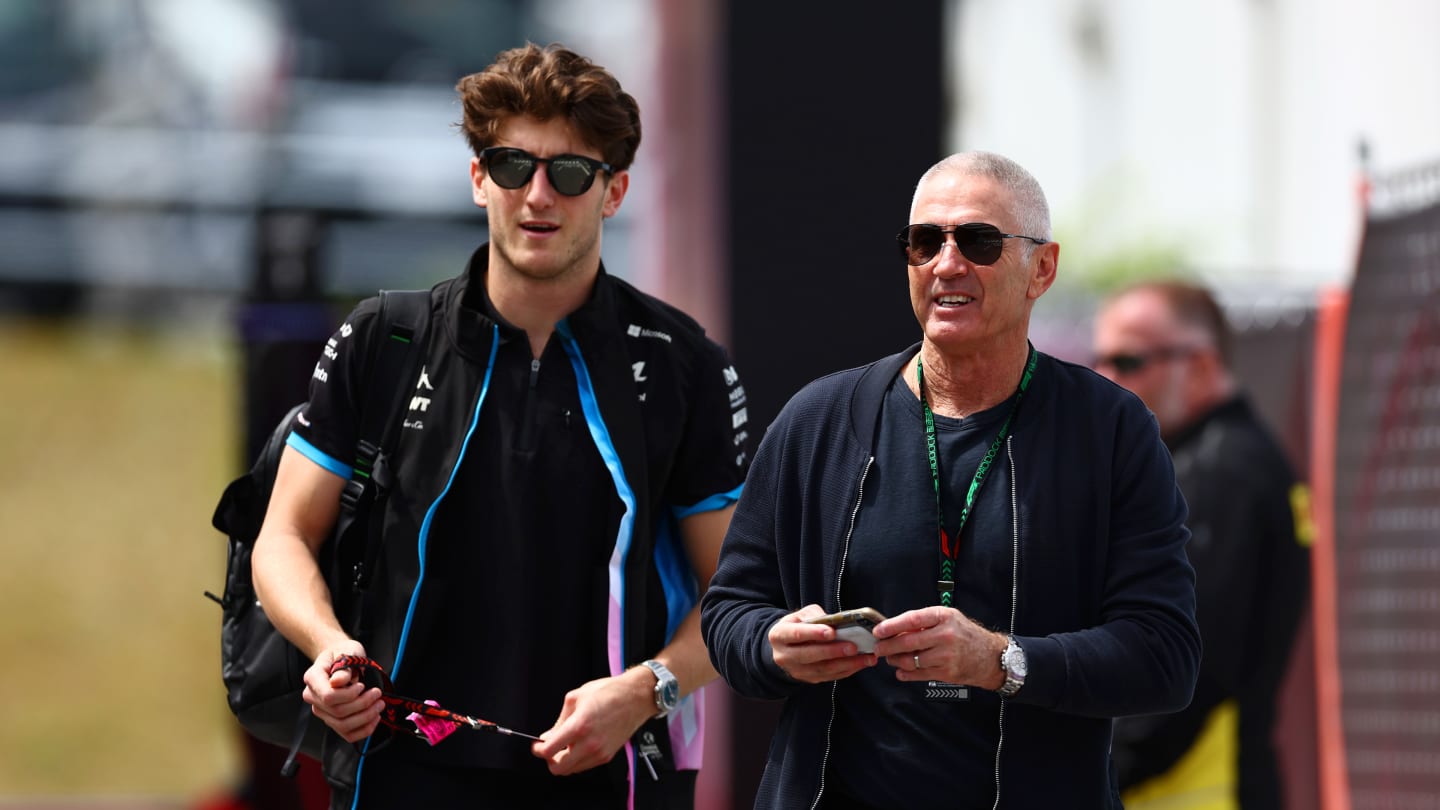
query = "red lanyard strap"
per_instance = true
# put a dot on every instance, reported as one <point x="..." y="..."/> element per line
<point x="405" y="714"/>
<point x="948" y="551"/>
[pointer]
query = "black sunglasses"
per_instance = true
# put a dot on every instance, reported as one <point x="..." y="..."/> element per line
<point x="571" y="175"/>
<point x="1127" y="363"/>
<point x="979" y="242"/>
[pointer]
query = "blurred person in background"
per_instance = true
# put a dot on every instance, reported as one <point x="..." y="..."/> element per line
<point x="1169" y="342"/>
<point x="565" y="474"/>
<point x="1014" y="515"/>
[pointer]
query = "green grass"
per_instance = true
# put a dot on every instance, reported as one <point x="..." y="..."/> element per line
<point x="114" y="445"/>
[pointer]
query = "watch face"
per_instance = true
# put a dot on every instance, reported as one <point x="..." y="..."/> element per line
<point x="1015" y="661"/>
<point x="670" y="693"/>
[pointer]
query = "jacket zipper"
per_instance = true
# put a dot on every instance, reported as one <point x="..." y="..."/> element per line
<point x="844" y="556"/>
<point x="1014" y="596"/>
<point x="422" y="540"/>
<point x="527" y="428"/>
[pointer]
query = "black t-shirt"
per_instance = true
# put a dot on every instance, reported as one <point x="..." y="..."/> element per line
<point x="516" y="589"/>
<point x="892" y="566"/>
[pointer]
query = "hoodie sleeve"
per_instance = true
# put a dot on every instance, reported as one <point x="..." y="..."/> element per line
<point x="1142" y="653"/>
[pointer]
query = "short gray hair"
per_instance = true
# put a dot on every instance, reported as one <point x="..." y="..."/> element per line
<point x="1031" y="209"/>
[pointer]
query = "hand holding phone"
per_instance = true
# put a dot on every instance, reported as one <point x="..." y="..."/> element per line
<point x="854" y="626"/>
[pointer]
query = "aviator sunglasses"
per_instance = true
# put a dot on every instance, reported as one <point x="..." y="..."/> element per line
<point x="1131" y="362"/>
<point x="571" y="175"/>
<point x="979" y="242"/>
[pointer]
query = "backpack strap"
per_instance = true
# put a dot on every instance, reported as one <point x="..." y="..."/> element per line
<point x="404" y="320"/>
<point x="394" y="359"/>
<point x="404" y="316"/>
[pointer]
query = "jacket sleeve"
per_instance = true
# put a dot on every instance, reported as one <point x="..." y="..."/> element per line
<point x="1253" y="568"/>
<point x="1142" y="654"/>
<point x="331" y="422"/>
<point x="1252" y="576"/>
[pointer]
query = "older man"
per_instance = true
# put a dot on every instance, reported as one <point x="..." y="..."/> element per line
<point x="1015" y="516"/>
<point x="1169" y="342"/>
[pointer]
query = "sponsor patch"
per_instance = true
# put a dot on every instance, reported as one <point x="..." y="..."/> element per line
<point x="635" y="330"/>
<point x="739" y="418"/>
<point x="946" y="692"/>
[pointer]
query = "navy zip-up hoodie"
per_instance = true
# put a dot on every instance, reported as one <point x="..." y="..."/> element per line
<point x="1105" y="606"/>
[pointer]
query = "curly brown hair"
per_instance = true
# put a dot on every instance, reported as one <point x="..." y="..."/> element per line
<point x="547" y="83"/>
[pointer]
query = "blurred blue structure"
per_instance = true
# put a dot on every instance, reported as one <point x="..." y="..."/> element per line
<point x="141" y="143"/>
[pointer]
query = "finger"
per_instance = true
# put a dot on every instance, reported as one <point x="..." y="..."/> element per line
<point x="552" y="743"/>
<point x="332" y="696"/>
<point x="915" y="621"/>
<point x="360" y="709"/>
<point x="802" y="656"/>
<point x="800" y="633"/>
<point x="345" y="704"/>
<point x="317" y="677"/>
<point x="323" y="682"/>
<point x="805" y="614"/>
<point x="561" y="763"/>
<point x="560" y="760"/>
<point x="358" y="734"/>
<point x="833" y="670"/>
<point x="908" y="622"/>
<point x="781" y="630"/>
<point x="353" y="725"/>
<point x="906" y="660"/>
<point x="583" y="755"/>
<point x="562" y="733"/>
<point x="565" y="763"/>
<point x="902" y="645"/>
<point x="920" y="639"/>
<point x="925" y="673"/>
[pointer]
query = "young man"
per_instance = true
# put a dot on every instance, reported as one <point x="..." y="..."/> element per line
<point x="1169" y="342"/>
<point x="1015" y="517"/>
<point x="566" y="473"/>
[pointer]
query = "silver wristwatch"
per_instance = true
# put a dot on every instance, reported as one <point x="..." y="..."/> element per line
<point x="1012" y="661"/>
<point x="667" y="687"/>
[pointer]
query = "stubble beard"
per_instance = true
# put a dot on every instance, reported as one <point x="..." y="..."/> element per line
<point x="552" y="267"/>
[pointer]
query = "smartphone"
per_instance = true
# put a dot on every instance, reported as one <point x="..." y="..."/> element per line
<point x="854" y="626"/>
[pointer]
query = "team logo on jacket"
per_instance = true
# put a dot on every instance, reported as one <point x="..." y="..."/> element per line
<point x="419" y="403"/>
<point x="638" y="331"/>
<point x="739" y="414"/>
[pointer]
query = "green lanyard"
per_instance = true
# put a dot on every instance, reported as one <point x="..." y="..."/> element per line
<point x="948" y="551"/>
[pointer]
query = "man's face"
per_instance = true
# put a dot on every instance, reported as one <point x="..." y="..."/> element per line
<point x="965" y="308"/>
<point x="1139" y="344"/>
<point x="536" y="231"/>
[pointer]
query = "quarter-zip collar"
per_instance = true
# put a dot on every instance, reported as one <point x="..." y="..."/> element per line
<point x="474" y="316"/>
<point x="596" y="347"/>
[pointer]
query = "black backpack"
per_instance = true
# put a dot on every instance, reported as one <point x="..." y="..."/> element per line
<point x="262" y="671"/>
